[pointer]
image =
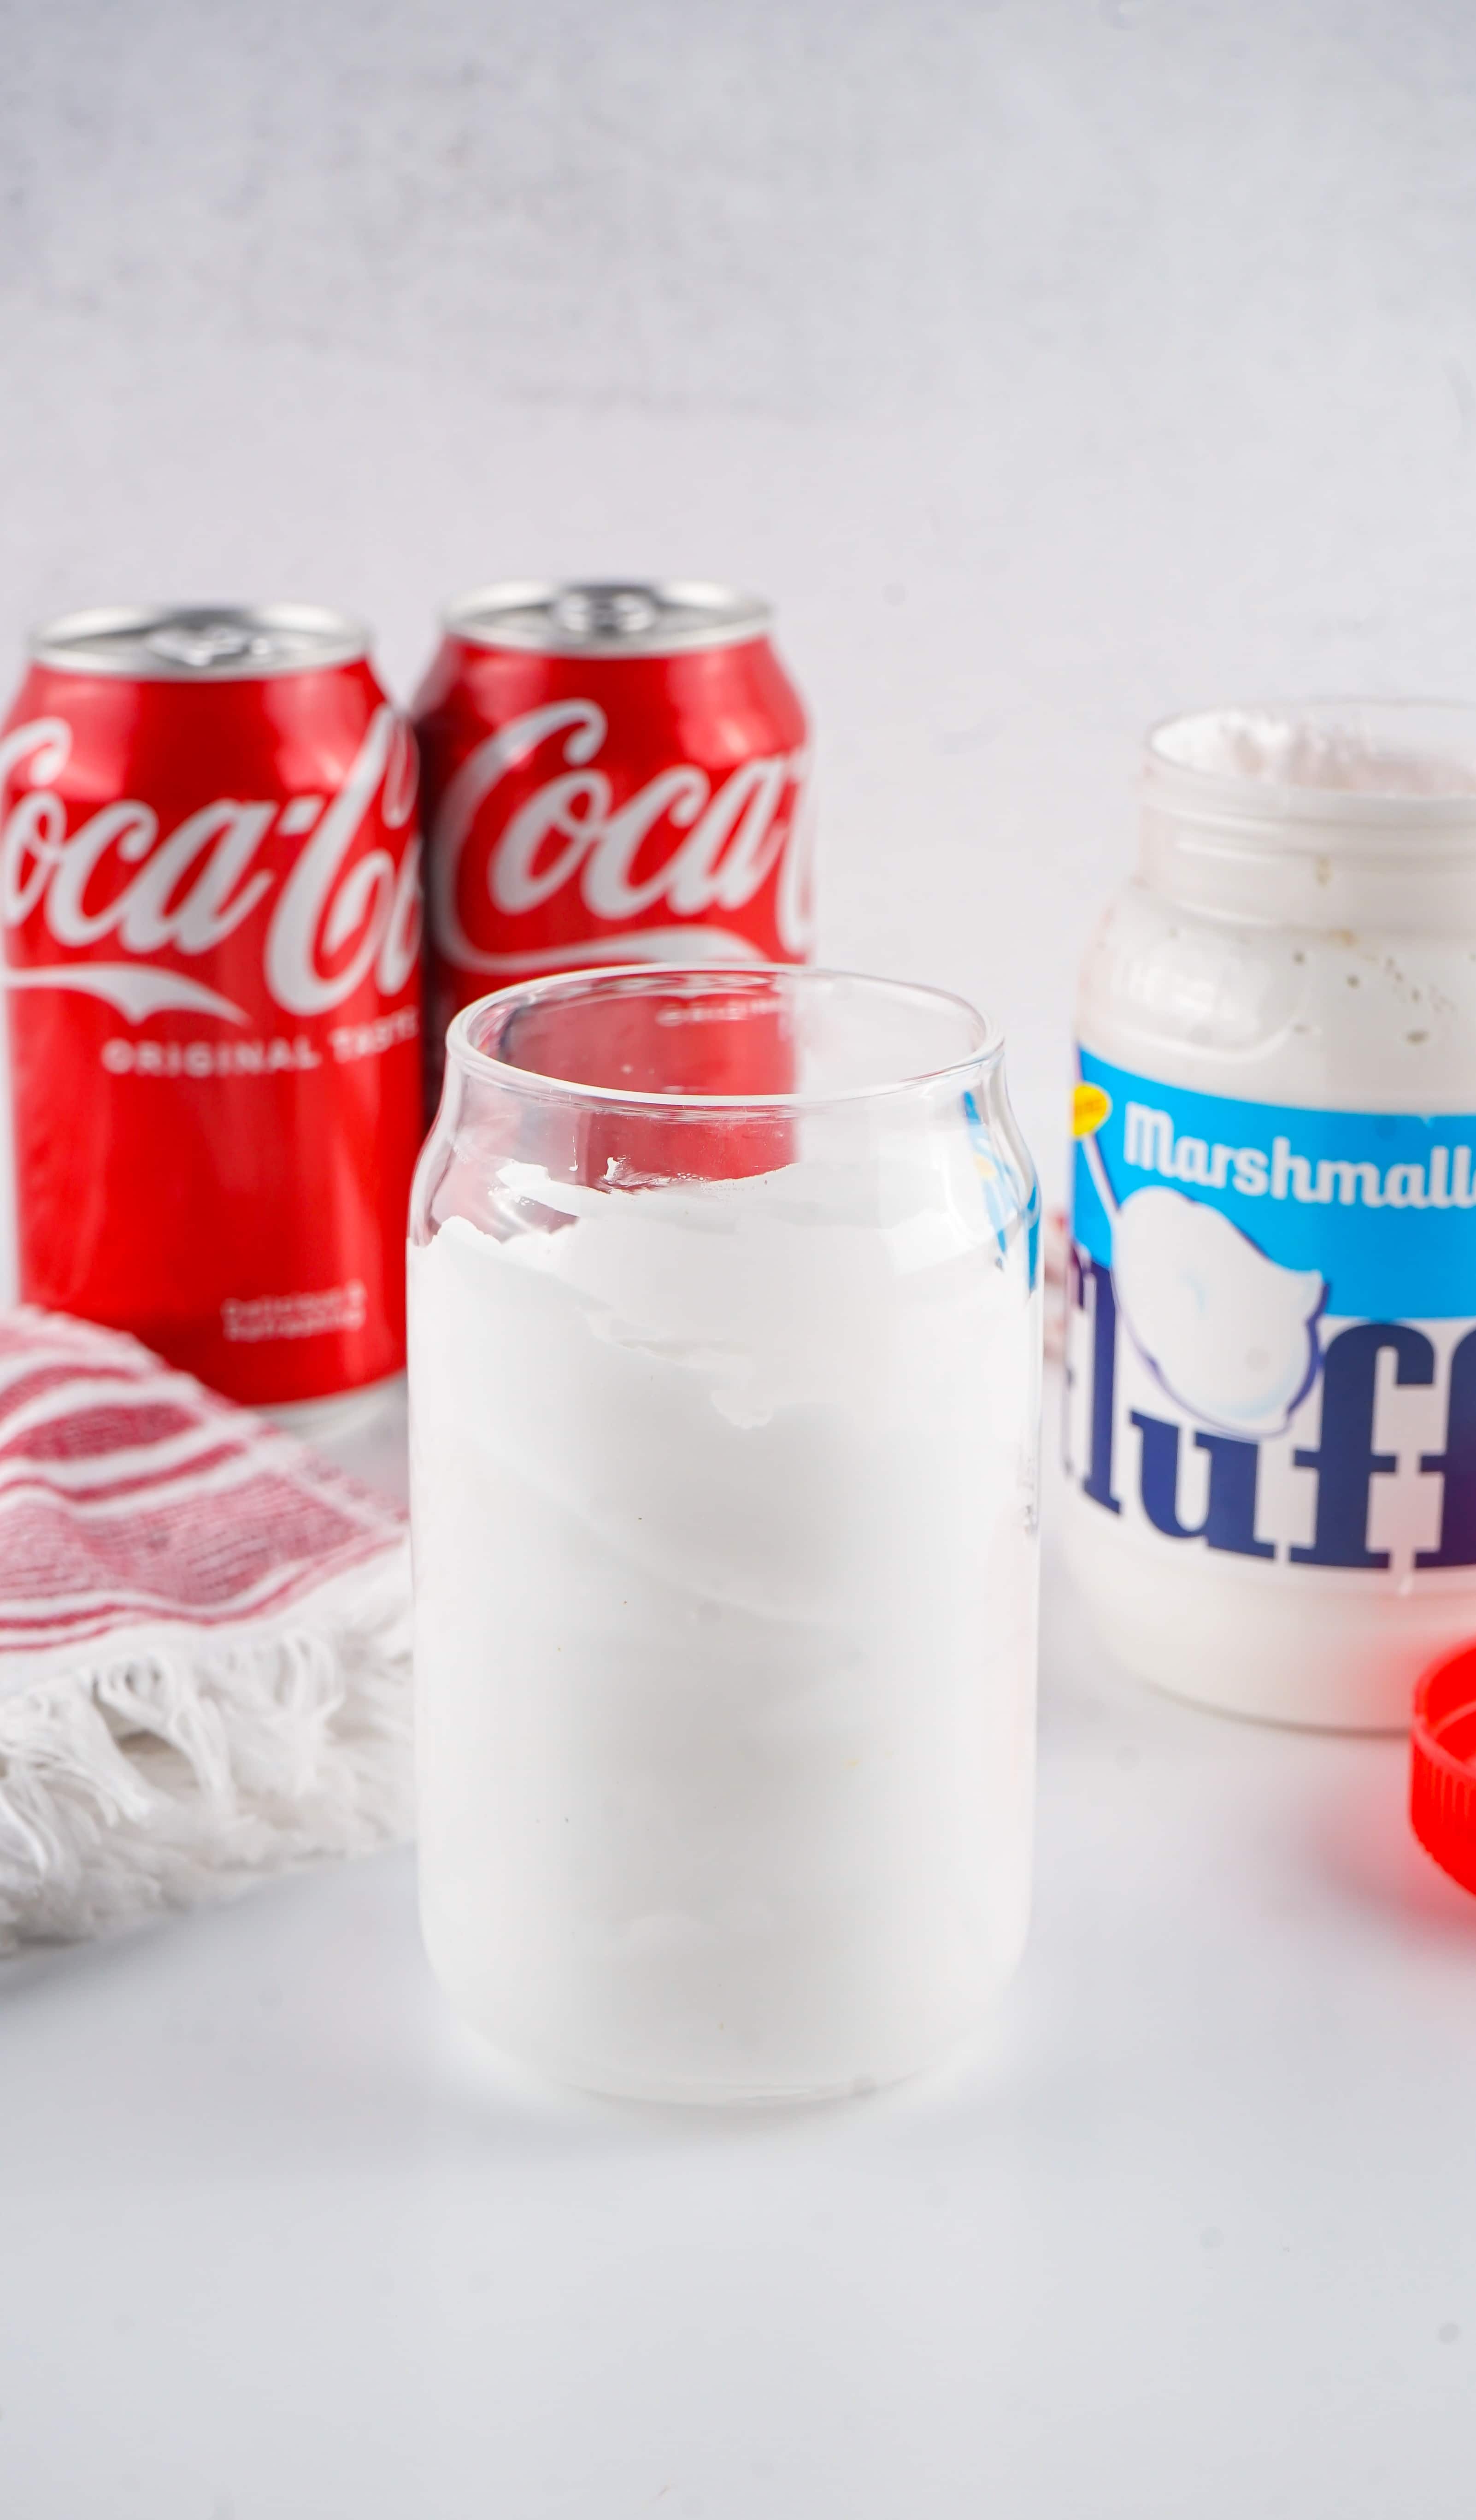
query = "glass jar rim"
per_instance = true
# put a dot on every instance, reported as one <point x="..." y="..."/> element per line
<point x="1353" y="763"/>
<point x="578" y="986"/>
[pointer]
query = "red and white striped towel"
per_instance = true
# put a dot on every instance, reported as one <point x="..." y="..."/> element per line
<point x="204" y="1640"/>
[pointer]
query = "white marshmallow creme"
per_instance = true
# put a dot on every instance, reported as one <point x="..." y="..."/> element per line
<point x="724" y="1397"/>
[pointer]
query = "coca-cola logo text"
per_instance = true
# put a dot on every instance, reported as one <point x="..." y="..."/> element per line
<point x="331" y="925"/>
<point x="727" y="842"/>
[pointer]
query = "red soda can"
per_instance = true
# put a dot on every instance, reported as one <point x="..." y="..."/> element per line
<point x="210" y="892"/>
<point x="612" y="774"/>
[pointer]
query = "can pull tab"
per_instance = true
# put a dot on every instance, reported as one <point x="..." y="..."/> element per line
<point x="203" y="644"/>
<point x="605" y="611"/>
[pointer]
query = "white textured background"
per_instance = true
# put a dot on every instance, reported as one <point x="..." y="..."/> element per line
<point x="1053" y="364"/>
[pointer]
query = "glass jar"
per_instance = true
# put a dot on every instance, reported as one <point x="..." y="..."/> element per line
<point x="724" y="1397"/>
<point x="1272" y="1397"/>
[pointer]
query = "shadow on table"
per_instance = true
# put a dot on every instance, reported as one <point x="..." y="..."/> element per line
<point x="298" y="2034"/>
<point x="1368" y="1850"/>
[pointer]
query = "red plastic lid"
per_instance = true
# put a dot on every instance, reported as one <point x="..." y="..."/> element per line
<point x="1443" y="1767"/>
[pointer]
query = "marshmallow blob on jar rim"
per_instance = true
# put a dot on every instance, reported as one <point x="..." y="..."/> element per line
<point x="1324" y="751"/>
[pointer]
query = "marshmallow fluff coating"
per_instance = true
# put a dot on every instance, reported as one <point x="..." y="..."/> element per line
<point x="726" y="1579"/>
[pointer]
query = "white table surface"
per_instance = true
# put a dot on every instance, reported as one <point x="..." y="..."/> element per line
<point x="1198" y="2236"/>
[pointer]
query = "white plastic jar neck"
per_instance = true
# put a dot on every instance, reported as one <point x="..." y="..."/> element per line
<point x="1325" y="857"/>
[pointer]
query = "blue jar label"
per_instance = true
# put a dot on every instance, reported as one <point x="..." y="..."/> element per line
<point x="1271" y="1332"/>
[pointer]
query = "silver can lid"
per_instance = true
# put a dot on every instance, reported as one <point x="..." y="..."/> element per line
<point x="201" y="643"/>
<point x="609" y="617"/>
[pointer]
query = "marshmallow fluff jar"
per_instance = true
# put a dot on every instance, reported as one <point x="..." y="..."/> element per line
<point x="723" y="1399"/>
<point x="1270" y="1412"/>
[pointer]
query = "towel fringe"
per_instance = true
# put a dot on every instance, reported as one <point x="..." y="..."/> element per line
<point x="177" y="1774"/>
